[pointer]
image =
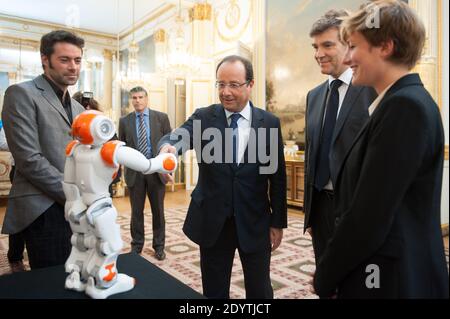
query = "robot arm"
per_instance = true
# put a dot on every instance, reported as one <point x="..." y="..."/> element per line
<point x="74" y="205"/>
<point x="115" y="153"/>
<point x="69" y="166"/>
<point x="163" y="163"/>
<point x="131" y="158"/>
<point x="93" y="128"/>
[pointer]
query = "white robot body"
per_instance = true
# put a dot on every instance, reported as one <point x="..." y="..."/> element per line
<point x="91" y="165"/>
<point x="93" y="177"/>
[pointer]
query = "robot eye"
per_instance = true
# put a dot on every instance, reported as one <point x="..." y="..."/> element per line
<point x="105" y="128"/>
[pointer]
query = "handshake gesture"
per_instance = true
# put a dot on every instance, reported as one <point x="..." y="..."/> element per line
<point x="167" y="148"/>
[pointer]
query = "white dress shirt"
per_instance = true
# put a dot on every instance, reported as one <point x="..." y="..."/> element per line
<point x="377" y="101"/>
<point x="346" y="78"/>
<point x="244" y="125"/>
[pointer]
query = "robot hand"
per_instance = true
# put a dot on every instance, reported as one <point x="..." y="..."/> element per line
<point x="163" y="163"/>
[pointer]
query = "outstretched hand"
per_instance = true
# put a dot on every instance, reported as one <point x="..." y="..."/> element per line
<point x="167" y="148"/>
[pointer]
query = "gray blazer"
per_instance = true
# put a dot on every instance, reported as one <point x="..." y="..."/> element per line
<point x="159" y="126"/>
<point x="37" y="129"/>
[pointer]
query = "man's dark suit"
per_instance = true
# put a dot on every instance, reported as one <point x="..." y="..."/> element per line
<point x="239" y="199"/>
<point x="388" y="199"/>
<point x="140" y="185"/>
<point x="352" y="116"/>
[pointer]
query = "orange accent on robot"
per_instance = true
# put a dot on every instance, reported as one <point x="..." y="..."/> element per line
<point x="110" y="276"/>
<point x="81" y="127"/>
<point x="70" y="146"/>
<point x="169" y="164"/>
<point x="107" y="152"/>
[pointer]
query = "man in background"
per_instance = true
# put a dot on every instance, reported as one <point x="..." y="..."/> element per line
<point x="142" y="129"/>
<point x="335" y="112"/>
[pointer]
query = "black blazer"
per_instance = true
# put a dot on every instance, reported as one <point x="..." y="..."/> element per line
<point x="352" y="116"/>
<point x="388" y="199"/>
<point x="258" y="201"/>
<point x="159" y="126"/>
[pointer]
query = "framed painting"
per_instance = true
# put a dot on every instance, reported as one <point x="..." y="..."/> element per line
<point x="291" y="68"/>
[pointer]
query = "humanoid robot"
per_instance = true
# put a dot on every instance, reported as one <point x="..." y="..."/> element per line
<point x="90" y="167"/>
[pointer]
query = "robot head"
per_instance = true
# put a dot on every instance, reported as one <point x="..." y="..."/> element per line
<point x="92" y="128"/>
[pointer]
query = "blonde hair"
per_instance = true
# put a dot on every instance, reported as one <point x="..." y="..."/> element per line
<point x="383" y="20"/>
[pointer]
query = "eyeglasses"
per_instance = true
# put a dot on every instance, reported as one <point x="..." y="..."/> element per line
<point x="232" y="85"/>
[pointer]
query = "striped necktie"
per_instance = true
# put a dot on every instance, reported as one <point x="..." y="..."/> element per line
<point x="142" y="137"/>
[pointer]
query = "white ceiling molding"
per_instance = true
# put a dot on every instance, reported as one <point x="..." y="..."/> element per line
<point x="19" y="28"/>
<point x="107" y="17"/>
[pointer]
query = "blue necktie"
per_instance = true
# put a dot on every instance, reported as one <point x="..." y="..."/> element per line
<point x="234" y="119"/>
<point x="142" y="137"/>
<point x="323" y="161"/>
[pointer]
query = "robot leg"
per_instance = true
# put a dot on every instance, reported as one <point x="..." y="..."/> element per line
<point x="83" y="244"/>
<point x="75" y="213"/>
<point x="104" y="279"/>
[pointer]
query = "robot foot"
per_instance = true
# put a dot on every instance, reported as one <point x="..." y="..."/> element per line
<point x="123" y="283"/>
<point x="73" y="282"/>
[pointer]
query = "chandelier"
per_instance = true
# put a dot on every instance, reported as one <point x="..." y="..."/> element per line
<point x="132" y="77"/>
<point x="179" y="63"/>
<point x="20" y="70"/>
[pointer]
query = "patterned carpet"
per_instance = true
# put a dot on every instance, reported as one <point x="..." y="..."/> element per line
<point x="291" y="268"/>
